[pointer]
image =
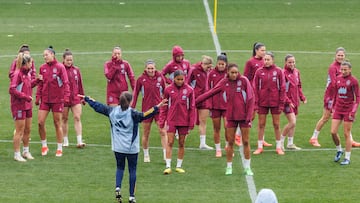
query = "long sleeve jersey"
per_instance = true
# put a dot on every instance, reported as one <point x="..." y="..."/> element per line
<point x="251" y="67"/>
<point x="217" y="101"/>
<point x="124" y="125"/>
<point x="172" y="66"/>
<point x="54" y="88"/>
<point x="21" y="90"/>
<point x="239" y="98"/>
<point x="180" y="110"/>
<point x="345" y="93"/>
<point x="151" y="88"/>
<point x="32" y="72"/>
<point x="75" y="83"/>
<point x="197" y="79"/>
<point x="269" y="87"/>
<point x="294" y="93"/>
<point x="116" y="72"/>
<point x="333" y="72"/>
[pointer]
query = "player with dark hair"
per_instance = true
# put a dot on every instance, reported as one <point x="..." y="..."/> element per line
<point x="178" y="116"/>
<point x="124" y="136"/>
<point x="239" y="111"/>
<point x="52" y="92"/>
<point x="74" y="104"/>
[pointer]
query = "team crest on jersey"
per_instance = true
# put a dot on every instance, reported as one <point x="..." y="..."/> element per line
<point x="198" y="75"/>
<point x="75" y="72"/>
<point x="274" y="73"/>
<point x="144" y="80"/>
<point x="184" y="66"/>
<point x="348" y="82"/>
<point x="185" y="91"/>
<point x="256" y="65"/>
<point x="159" y="79"/>
<point x="214" y="75"/>
<point x="239" y="83"/>
<point x="54" y="70"/>
<point x="122" y="66"/>
<point x="157" y="84"/>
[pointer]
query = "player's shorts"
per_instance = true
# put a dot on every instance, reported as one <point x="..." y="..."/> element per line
<point x="341" y="116"/>
<point x="328" y="103"/>
<point x="21" y="114"/>
<point x="288" y="109"/>
<point x="235" y="124"/>
<point x="55" y="107"/>
<point x="72" y="103"/>
<point x="265" y="110"/>
<point x="217" y="113"/>
<point x="149" y="120"/>
<point x="182" y="130"/>
<point x="112" y="100"/>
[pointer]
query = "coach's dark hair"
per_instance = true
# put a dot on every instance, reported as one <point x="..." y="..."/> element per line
<point x="222" y="57"/>
<point x="125" y="100"/>
<point x="178" y="72"/>
<point x="67" y="52"/>
<point x="257" y="46"/>
<point x="288" y="56"/>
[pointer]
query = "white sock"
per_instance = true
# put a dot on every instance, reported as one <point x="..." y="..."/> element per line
<point x="260" y="144"/>
<point x="290" y="140"/>
<point x="146" y="152"/>
<point x="17" y="154"/>
<point x="168" y="163"/>
<point x="66" y="139"/>
<point x="59" y="146"/>
<point x="226" y="143"/>
<point x="179" y="163"/>
<point x="315" y="134"/>
<point x="347" y="155"/>
<point x="43" y="143"/>
<point x="246" y="163"/>
<point x="79" y="139"/>
<point x="25" y="149"/>
<point x="278" y="144"/>
<point x="338" y="148"/>
<point x="217" y="147"/>
<point x="202" y="140"/>
<point x="229" y="164"/>
<point x="282" y="138"/>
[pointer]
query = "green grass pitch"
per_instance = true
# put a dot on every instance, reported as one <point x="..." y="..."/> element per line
<point x="311" y="30"/>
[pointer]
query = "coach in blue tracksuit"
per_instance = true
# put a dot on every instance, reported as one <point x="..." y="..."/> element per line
<point x="124" y="123"/>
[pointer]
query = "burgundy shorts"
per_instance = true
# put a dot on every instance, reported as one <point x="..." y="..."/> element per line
<point x="149" y="120"/>
<point x="55" y="107"/>
<point x="341" y="116"/>
<point x="288" y="109"/>
<point x="182" y="130"/>
<point x="21" y="114"/>
<point x="72" y="103"/>
<point x="265" y="110"/>
<point x="112" y="100"/>
<point x="235" y="124"/>
<point x="217" y="113"/>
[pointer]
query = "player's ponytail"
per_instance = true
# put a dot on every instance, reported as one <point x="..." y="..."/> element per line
<point x="22" y="59"/>
<point x="257" y="46"/>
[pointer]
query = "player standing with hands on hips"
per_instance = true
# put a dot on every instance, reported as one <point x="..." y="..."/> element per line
<point x="52" y="92"/>
<point x="345" y="92"/>
<point x="124" y="136"/>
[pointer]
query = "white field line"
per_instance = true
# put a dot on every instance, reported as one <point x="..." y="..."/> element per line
<point x="187" y="51"/>
<point x="249" y="179"/>
<point x="197" y="149"/>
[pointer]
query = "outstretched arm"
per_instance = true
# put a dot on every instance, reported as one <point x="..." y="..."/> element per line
<point x="97" y="106"/>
